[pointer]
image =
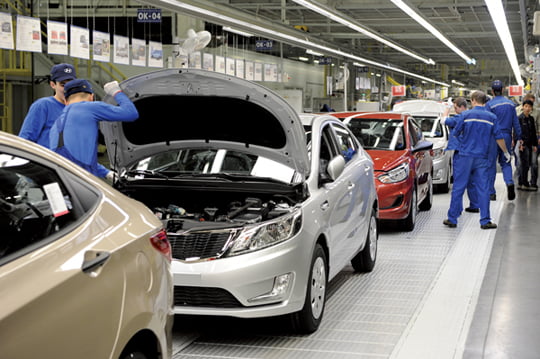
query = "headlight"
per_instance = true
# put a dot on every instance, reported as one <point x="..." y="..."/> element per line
<point x="397" y="174"/>
<point x="439" y="152"/>
<point x="268" y="234"/>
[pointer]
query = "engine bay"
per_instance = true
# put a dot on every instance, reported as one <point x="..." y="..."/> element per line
<point x="236" y="213"/>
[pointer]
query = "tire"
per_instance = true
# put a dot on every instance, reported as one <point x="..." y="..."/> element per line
<point x="364" y="261"/>
<point x="309" y="318"/>
<point x="427" y="203"/>
<point x="408" y="223"/>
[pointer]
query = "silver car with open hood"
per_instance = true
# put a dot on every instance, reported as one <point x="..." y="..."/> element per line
<point x="260" y="213"/>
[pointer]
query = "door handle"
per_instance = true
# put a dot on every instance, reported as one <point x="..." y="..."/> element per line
<point x="325" y="205"/>
<point x="96" y="262"/>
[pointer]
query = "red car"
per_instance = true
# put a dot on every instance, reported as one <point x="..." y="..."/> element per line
<point x="403" y="163"/>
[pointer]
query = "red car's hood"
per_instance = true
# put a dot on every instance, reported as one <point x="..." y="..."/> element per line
<point x="386" y="160"/>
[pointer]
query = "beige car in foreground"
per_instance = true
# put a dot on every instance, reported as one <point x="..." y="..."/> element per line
<point x="84" y="270"/>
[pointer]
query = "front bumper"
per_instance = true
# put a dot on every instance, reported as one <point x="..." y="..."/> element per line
<point x="245" y="285"/>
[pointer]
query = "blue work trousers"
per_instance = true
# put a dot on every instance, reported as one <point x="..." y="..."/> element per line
<point x="506" y="167"/>
<point x="467" y="169"/>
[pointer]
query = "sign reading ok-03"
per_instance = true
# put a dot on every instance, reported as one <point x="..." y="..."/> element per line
<point x="148" y="15"/>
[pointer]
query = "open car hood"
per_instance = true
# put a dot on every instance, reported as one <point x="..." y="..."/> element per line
<point x="180" y="108"/>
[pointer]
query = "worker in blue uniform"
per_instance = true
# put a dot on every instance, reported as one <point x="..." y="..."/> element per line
<point x="44" y="111"/>
<point x="75" y="134"/>
<point x="460" y="105"/>
<point x="507" y="122"/>
<point x="476" y="133"/>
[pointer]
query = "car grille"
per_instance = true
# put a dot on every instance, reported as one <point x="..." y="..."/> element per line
<point x="204" y="297"/>
<point x="200" y="245"/>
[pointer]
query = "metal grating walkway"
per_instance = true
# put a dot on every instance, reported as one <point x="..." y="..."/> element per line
<point x="417" y="303"/>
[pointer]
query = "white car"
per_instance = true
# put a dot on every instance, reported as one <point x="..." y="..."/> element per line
<point x="428" y="114"/>
<point x="259" y="215"/>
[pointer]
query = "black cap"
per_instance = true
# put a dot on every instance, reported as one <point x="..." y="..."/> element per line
<point x="77" y="86"/>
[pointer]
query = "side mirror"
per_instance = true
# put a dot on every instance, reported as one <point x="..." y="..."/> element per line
<point x="335" y="167"/>
<point x="423" y="146"/>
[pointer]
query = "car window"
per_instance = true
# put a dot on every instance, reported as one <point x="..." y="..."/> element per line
<point x="204" y="161"/>
<point x="346" y="143"/>
<point x="430" y="126"/>
<point x="415" y="134"/>
<point x="34" y="204"/>
<point x="377" y="133"/>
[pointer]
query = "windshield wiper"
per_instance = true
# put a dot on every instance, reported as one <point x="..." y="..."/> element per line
<point x="146" y="173"/>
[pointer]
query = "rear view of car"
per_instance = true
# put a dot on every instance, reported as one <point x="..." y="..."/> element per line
<point x="84" y="270"/>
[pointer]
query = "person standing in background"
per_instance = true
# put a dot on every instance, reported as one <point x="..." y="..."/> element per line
<point x="527" y="149"/>
<point x="460" y="105"/>
<point x="476" y="133"/>
<point x="508" y="124"/>
<point x="535" y="113"/>
<point x="75" y="134"/>
<point x="44" y="111"/>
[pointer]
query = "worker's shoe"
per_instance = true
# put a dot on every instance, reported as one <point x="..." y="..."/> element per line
<point x="489" y="225"/>
<point x="472" y="210"/>
<point x="447" y="222"/>
<point x="511" y="192"/>
<point x="533" y="188"/>
<point x="493" y="197"/>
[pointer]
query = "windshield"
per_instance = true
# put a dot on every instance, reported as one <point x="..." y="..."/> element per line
<point x="380" y="134"/>
<point x="430" y="126"/>
<point x="200" y="161"/>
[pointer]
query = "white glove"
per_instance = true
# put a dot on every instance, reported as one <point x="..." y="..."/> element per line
<point x="112" y="88"/>
<point x="508" y="157"/>
<point x="443" y="120"/>
<point x="111" y="176"/>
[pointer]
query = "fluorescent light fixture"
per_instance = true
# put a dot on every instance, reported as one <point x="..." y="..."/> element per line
<point x="409" y="11"/>
<point x="297" y="40"/>
<point x="458" y="83"/>
<point x="358" y="64"/>
<point x="314" y="53"/>
<point x="302" y="58"/>
<point x="498" y="17"/>
<point x="236" y="31"/>
<point x="337" y="17"/>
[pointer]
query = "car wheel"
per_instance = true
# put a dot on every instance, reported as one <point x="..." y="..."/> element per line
<point x="427" y="203"/>
<point x="309" y="318"/>
<point x="409" y="222"/>
<point x="364" y="261"/>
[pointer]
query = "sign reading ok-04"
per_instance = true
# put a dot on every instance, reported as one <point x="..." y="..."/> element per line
<point x="148" y="15"/>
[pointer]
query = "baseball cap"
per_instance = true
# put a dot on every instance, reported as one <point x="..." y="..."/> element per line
<point x="77" y="86"/>
<point x="497" y="85"/>
<point x="62" y="72"/>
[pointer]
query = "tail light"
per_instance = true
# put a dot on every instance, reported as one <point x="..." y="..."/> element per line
<point x="161" y="243"/>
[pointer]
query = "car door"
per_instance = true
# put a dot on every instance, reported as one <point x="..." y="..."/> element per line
<point x="342" y="197"/>
<point x="422" y="159"/>
<point x="60" y="288"/>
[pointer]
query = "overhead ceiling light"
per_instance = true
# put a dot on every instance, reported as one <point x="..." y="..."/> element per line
<point x="314" y="53"/>
<point x="291" y="38"/>
<point x="341" y="18"/>
<point x="236" y="31"/>
<point x="498" y="17"/>
<point x="302" y="58"/>
<point x="458" y="83"/>
<point x="409" y="11"/>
